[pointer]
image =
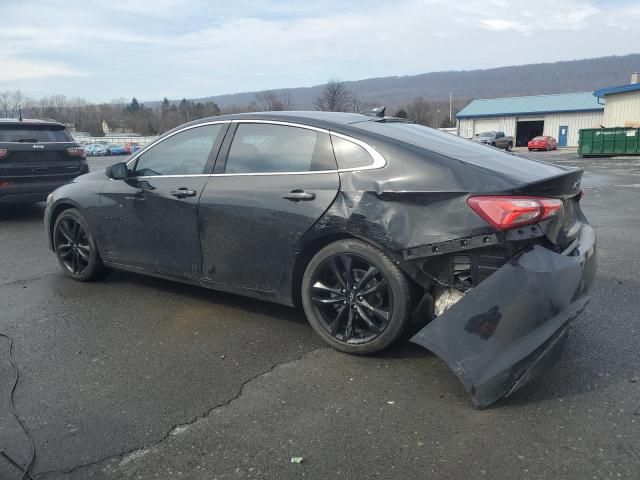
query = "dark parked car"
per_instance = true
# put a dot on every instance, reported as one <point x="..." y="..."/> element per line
<point x="495" y="139"/>
<point x="114" y="149"/>
<point x="375" y="226"/>
<point x="36" y="157"/>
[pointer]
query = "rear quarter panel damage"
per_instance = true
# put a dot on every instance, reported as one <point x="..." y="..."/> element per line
<point x="506" y="328"/>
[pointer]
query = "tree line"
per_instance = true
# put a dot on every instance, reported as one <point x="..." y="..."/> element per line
<point x="158" y="117"/>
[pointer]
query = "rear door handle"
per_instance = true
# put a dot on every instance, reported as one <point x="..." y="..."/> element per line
<point x="300" y="195"/>
<point x="183" y="192"/>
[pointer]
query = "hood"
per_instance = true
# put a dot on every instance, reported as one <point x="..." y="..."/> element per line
<point x="91" y="177"/>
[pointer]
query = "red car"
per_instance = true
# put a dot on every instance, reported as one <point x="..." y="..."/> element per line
<point x="542" y="143"/>
<point x="131" y="147"/>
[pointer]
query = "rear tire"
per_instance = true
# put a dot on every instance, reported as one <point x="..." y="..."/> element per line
<point x="355" y="298"/>
<point x="76" y="248"/>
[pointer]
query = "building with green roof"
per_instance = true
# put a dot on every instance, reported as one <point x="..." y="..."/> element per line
<point x="559" y="115"/>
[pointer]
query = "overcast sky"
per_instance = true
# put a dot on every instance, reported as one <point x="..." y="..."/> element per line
<point x="106" y="49"/>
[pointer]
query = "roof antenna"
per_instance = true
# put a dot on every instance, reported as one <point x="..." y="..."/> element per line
<point x="375" y="112"/>
<point x="20" y="112"/>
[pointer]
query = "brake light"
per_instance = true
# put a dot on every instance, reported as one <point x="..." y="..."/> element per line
<point x="77" y="152"/>
<point x="4" y="183"/>
<point x="3" y="152"/>
<point x="506" y="212"/>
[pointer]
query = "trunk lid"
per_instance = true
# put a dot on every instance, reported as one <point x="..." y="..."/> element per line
<point x="23" y="160"/>
<point x="36" y="149"/>
<point x="563" y="228"/>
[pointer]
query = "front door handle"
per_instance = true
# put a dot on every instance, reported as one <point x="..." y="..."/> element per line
<point x="184" y="192"/>
<point x="137" y="195"/>
<point x="300" y="195"/>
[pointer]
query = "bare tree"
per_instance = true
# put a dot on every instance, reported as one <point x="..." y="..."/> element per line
<point x="11" y="103"/>
<point x="420" y="111"/>
<point x="271" y="100"/>
<point x="335" y="97"/>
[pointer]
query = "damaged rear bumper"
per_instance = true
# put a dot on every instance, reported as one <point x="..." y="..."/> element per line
<point x="512" y="327"/>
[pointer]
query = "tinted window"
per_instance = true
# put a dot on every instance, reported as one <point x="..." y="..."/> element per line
<point x="264" y="148"/>
<point x="349" y="154"/>
<point x="33" y="133"/>
<point x="461" y="149"/>
<point x="185" y="153"/>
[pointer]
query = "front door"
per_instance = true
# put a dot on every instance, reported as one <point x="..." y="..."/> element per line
<point x="150" y="220"/>
<point x="276" y="183"/>
<point x="562" y="135"/>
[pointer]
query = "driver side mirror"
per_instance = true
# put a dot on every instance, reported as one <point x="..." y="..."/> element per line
<point x="119" y="171"/>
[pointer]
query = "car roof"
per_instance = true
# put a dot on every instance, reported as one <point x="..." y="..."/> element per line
<point x="312" y="118"/>
<point x="29" y="121"/>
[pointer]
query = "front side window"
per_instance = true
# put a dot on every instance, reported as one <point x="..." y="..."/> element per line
<point x="185" y="153"/>
<point x="269" y="148"/>
<point x="350" y="154"/>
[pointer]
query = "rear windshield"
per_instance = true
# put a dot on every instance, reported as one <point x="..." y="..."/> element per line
<point x="459" y="148"/>
<point x="539" y="138"/>
<point x="33" y="133"/>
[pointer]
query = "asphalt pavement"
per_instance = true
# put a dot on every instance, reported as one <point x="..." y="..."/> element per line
<point x="134" y="377"/>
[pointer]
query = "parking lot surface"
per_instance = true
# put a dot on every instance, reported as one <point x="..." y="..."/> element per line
<point x="135" y="377"/>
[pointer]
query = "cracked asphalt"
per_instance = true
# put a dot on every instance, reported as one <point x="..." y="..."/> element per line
<point x="135" y="377"/>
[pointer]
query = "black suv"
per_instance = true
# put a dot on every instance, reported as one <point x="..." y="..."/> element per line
<point x="36" y="157"/>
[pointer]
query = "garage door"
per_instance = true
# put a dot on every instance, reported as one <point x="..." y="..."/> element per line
<point x="487" y="125"/>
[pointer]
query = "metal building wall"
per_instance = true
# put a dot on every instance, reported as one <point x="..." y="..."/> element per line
<point x="575" y="121"/>
<point x="621" y="108"/>
<point x="469" y="127"/>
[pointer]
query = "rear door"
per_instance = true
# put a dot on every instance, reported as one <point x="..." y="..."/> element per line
<point x="150" y="220"/>
<point x="274" y="182"/>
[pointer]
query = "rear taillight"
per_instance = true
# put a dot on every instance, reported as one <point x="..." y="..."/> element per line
<point x="77" y="152"/>
<point x="504" y="212"/>
<point x="3" y="152"/>
<point x="4" y="183"/>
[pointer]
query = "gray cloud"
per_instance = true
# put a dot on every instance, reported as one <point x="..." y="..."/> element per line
<point x="152" y="48"/>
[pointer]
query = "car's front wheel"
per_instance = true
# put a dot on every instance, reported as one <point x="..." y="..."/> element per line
<point x="355" y="297"/>
<point x="75" y="247"/>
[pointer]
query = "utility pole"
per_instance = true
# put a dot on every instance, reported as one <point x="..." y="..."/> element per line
<point x="450" y="108"/>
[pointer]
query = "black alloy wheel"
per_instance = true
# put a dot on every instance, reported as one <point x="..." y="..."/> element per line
<point x="75" y="247"/>
<point x="355" y="297"/>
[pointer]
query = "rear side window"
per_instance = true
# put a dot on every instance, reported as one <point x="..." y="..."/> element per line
<point x="349" y="154"/>
<point x="268" y="148"/>
<point x="33" y="134"/>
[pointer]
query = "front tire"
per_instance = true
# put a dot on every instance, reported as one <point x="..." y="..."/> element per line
<point x="355" y="297"/>
<point x="75" y="247"/>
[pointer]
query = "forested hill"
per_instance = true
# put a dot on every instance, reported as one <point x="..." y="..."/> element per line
<point x="541" y="78"/>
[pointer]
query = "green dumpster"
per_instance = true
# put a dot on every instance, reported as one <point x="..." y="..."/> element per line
<point x="606" y="142"/>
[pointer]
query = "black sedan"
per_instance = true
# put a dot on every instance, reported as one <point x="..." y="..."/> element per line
<point x="376" y="226"/>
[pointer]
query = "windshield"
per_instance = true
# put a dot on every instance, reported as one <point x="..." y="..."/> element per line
<point x="486" y="134"/>
<point x="539" y="138"/>
<point x="33" y="133"/>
